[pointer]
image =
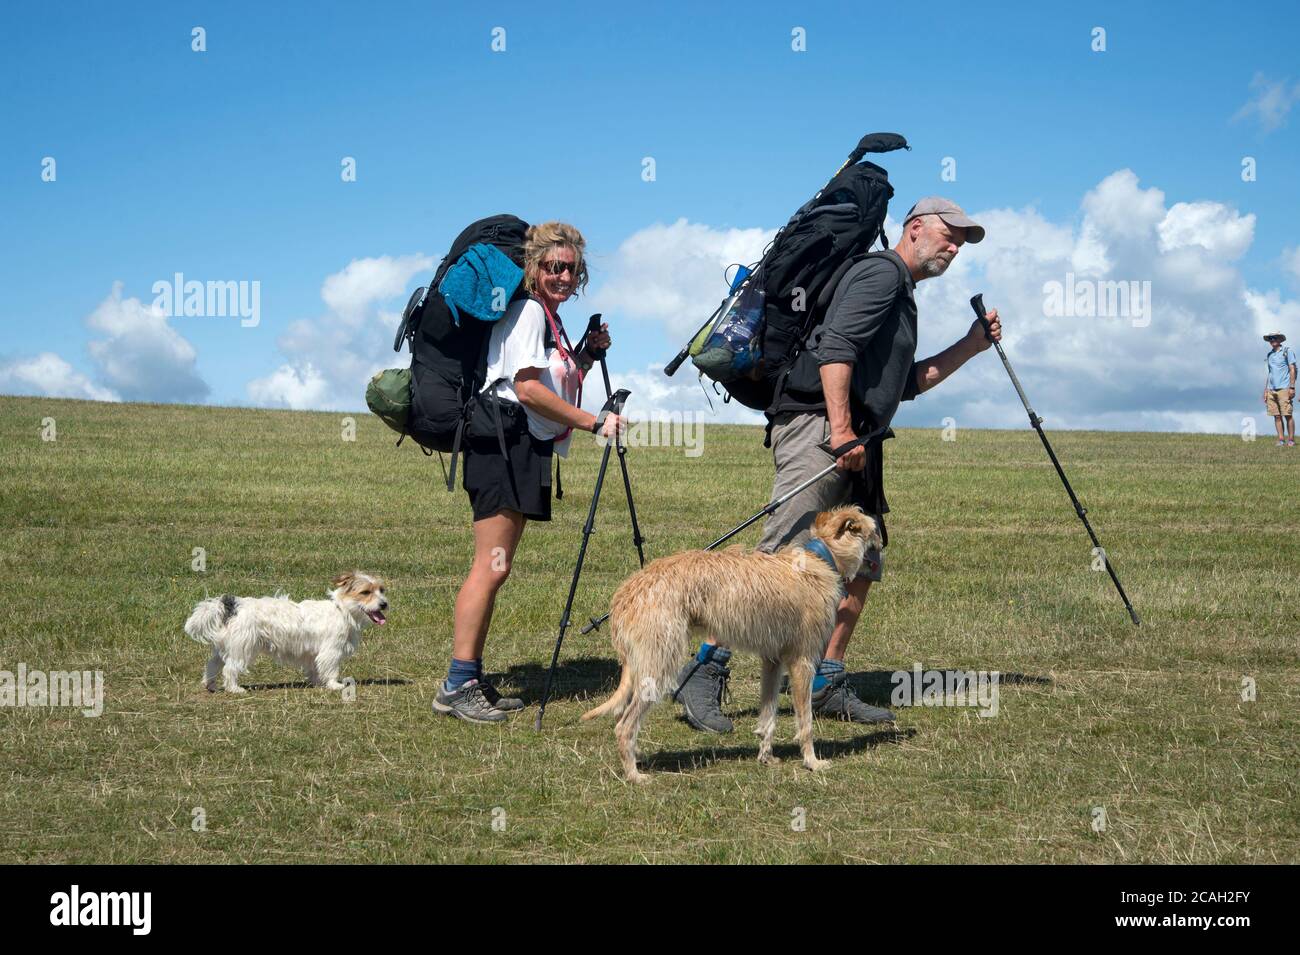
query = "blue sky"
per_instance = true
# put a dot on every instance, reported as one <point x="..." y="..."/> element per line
<point x="225" y="165"/>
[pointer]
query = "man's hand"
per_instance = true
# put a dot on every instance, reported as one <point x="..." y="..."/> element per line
<point x="856" y="459"/>
<point x="976" y="334"/>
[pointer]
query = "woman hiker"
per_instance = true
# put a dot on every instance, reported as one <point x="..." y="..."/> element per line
<point x="537" y="379"/>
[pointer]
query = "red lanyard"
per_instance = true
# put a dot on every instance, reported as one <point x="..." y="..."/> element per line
<point x="566" y="354"/>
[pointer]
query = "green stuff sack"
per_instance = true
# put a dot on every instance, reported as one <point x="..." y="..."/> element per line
<point x="389" y="396"/>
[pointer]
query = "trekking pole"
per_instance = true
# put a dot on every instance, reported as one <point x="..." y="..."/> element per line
<point x="613" y="404"/>
<point x="593" y="326"/>
<point x="977" y="303"/>
<point x="772" y="506"/>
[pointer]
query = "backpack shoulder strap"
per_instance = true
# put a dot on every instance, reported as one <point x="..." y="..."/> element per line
<point x="828" y="290"/>
<point x="898" y="266"/>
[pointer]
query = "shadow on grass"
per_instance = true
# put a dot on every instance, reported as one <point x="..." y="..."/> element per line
<point x="580" y="677"/>
<point x="680" y="760"/>
<point x="876" y="687"/>
<point x="304" y="685"/>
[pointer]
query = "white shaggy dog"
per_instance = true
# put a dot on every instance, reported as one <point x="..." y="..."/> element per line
<point x="314" y="635"/>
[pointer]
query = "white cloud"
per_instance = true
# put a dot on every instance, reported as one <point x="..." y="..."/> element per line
<point x="1291" y="261"/>
<point x="1271" y="313"/>
<point x="1210" y="225"/>
<point x="297" y="388"/>
<point x="1190" y="368"/>
<point x="673" y="275"/>
<point x="331" y="358"/>
<point x="1190" y="363"/>
<point x="1270" y="102"/>
<point x="142" y="357"/>
<point x="365" y="282"/>
<point x="654" y="393"/>
<point x="138" y="357"/>
<point x="50" y="376"/>
<point x="1121" y="211"/>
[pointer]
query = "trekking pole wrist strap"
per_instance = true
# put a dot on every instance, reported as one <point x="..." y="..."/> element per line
<point x="848" y="446"/>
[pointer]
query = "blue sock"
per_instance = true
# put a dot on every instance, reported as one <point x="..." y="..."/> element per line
<point x="459" y="674"/>
<point x="826" y="670"/>
<point x="709" y="651"/>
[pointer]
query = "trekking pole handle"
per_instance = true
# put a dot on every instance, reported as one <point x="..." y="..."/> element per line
<point x="848" y="446"/>
<point x="671" y="368"/>
<point x="593" y="328"/>
<point x="614" y="403"/>
<point x="977" y="303"/>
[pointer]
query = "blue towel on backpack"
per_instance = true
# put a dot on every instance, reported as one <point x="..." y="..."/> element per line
<point x="473" y="282"/>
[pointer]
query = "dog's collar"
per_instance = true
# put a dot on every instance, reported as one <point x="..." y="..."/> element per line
<point x="815" y="546"/>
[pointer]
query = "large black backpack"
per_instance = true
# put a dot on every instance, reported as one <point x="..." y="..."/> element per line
<point x="449" y="359"/>
<point x="801" y="268"/>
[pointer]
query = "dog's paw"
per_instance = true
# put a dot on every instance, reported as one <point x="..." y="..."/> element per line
<point x="768" y="759"/>
<point x="210" y="687"/>
<point x="639" y="778"/>
<point x="817" y="765"/>
<point x="235" y="689"/>
<point x="335" y="685"/>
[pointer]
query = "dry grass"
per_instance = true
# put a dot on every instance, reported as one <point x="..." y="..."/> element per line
<point x="988" y="569"/>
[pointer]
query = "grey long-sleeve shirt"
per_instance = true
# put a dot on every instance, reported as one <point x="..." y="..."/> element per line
<point x="871" y="325"/>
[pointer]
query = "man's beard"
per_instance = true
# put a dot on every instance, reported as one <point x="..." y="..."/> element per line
<point x="935" y="265"/>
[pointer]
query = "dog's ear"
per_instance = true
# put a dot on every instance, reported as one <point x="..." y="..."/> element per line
<point x="344" y="580"/>
<point x="851" y="523"/>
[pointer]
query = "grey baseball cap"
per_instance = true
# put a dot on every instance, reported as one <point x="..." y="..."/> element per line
<point x="949" y="212"/>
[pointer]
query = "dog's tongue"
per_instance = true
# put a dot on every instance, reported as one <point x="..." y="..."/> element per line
<point x="376" y="616"/>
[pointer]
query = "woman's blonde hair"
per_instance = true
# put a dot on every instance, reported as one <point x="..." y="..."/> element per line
<point x="541" y="239"/>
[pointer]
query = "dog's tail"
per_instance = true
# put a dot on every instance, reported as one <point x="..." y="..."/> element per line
<point x="622" y="695"/>
<point x="210" y="616"/>
<point x="618" y="702"/>
<point x="651" y="636"/>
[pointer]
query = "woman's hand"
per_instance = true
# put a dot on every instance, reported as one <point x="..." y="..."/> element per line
<point x="598" y="341"/>
<point x="614" y="424"/>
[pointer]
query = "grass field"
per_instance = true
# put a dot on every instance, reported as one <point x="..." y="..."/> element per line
<point x="988" y="569"/>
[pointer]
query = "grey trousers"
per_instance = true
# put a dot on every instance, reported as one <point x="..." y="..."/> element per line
<point x="797" y="453"/>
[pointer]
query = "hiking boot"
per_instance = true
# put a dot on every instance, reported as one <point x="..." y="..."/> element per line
<point x="837" y="701"/>
<point x="468" y="703"/>
<point x="700" y="687"/>
<point x="505" y="704"/>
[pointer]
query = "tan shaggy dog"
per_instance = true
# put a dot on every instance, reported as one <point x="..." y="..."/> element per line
<point x="781" y="606"/>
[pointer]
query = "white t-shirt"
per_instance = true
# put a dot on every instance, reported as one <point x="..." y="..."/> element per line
<point x="519" y="341"/>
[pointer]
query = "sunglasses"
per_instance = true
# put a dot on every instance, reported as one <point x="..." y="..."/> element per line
<point x="559" y="268"/>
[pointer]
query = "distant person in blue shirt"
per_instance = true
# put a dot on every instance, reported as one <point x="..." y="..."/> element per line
<point x="1279" y="390"/>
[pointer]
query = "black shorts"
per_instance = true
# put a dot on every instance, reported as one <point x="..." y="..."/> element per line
<point x="520" y="481"/>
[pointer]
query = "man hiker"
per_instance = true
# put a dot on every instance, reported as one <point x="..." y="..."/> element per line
<point x="1279" y="388"/>
<point x="855" y="368"/>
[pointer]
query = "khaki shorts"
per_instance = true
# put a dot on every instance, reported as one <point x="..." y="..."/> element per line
<point x="798" y="455"/>
<point x="1278" y="402"/>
